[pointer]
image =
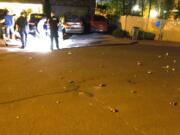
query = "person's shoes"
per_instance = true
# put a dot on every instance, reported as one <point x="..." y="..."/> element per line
<point x="22" y="47"/>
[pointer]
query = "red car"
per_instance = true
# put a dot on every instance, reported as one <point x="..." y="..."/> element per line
<point x="99" y="23"/>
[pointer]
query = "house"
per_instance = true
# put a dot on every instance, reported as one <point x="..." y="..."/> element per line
<point x="16" y="6"/>
<point x="80" y="7"/>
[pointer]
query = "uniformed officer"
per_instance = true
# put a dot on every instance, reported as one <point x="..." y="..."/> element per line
<point x="22" y="28"/>
<point x="54" y="26"/>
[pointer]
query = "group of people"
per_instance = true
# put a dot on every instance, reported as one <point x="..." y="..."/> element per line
<point x="21" y="25"/>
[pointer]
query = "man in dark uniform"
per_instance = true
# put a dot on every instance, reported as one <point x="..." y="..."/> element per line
<point x="22" y="28"/>
<point x="54" y="26"/>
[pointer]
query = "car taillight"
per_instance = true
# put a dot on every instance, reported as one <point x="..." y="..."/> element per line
<point x="31" y="23"/>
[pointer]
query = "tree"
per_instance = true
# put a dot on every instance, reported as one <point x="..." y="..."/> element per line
<point x="117" y="7"/>
<point x="178" y="13"/>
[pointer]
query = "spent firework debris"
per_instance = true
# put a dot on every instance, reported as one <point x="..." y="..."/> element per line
<point x="17" y="117"/>
<point x="166" y="67"/>
<point x="81" y="93"/>
<point x="102" y="85"/>
<point x="173" y="69"/>
<point x="114" y="110"/>
<point x="174" y="61"/>
<point x="71" y="81"/>
<point x="58" y="101"/>
<point x="149" y="72"/>
<point x="69" y="53"/>
<point x="159" y="56"/>
<point x="133" y="91"/>
<point x="173" y="103"/>
<point x="139" y="63"/>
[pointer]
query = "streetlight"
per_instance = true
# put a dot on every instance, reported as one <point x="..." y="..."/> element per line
<point x="136" y="8"/>
<point x="153" y="13"/>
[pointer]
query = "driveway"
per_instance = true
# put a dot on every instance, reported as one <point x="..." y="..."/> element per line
<point x="36" y="44"/>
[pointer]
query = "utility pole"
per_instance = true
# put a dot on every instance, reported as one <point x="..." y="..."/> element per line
<point x="150" y="5"/>
<point x="123" y="7"/>
<point x="47" y="7"/>
<point x="142" y="12"/>
<point x="149" y="12"/>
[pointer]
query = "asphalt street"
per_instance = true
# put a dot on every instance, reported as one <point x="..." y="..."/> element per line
<point x="125" y="89"/>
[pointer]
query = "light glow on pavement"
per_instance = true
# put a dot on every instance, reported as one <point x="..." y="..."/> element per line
<point x="42" y="45"/>
<point x="39" y="44"/>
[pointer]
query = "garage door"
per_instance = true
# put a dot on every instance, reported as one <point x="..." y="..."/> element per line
<point x="16" y="8"/>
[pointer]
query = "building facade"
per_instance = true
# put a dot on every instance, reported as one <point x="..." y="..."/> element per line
<point x="80" y="7"/>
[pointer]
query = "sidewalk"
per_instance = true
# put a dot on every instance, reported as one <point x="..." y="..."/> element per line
<point x="159" y="43"/>
<point x="106" y="40"/>
<point x="127" y="41"/>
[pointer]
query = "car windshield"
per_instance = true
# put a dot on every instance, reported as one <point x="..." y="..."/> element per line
<point x="36" y="17"/>
<point x="100" y="18"/>
<point x="72" y="18"/>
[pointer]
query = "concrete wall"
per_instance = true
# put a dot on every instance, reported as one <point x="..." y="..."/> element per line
<point x="170" y="28"/>
<point x="172" y="31"/>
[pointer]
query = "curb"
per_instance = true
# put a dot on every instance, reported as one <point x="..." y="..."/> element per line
<point x="160" y="44"/>
<point x="114" y="44"/>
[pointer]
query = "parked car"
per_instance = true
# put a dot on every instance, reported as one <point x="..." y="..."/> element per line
<point x="73" y="24"/>
<point x="33" y="22"/>
<point x="98" y="23"/>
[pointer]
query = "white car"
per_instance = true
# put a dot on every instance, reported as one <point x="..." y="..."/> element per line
<point x="73" y="24"/>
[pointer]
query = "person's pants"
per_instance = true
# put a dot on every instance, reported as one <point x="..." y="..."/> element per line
<point x="23" y="35"/>
<point x="9" y="31"/>
<point x="54" y="35"/>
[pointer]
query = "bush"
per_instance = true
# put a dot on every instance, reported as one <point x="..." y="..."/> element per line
<point x="120" y="33"/>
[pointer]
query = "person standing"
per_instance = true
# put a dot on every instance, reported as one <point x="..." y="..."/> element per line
<point x="22" y="23"/>
<point x="41" y="27"/>
<point x="54" y="26"/>
<point x="9" y="26"/>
